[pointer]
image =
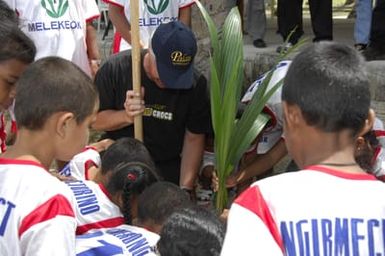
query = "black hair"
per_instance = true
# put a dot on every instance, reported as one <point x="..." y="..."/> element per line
<point x="130" y="179"/>
<point x="191" y="231"/>
<point x="7" y="14"/>
<point x="52" y="85"/>
<point x="329" y="83"/>
<point x="159" y="201"/>
<point x="125" y="150"/>
<point x="14" y="44"/>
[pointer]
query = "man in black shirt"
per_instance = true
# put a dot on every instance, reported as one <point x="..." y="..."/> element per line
<point x="175" y="108"/>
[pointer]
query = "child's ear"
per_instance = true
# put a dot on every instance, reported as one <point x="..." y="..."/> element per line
<point x="63" y="123"/>
<point x="368" y="123"/>
<point x="292" y="114"/>
<point x="360" y="143"/>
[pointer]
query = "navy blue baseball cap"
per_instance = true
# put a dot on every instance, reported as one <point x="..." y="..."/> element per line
<point x="174" y="46"/>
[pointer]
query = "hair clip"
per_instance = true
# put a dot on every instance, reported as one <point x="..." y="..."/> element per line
<point x="131" y="177"/>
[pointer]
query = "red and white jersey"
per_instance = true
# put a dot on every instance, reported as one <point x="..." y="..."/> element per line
<point x="3" y="133"/>
<point x="36" y="216"/>
<point x="122" y="240"/>
<point x="151" y="15"/>
<point x="93" y="207"/>
<point x="379" y="154"/>
<point x="80" y="164"/>
<point x="317" y="211"/>
<point x="58" y="28"/>
<point x="273" y="108"/>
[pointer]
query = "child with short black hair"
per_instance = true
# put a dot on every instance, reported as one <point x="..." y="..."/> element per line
<point x="192" y="231"/>
<point x="56" y="103"/>
<point x="158" y="202"/>
<point x="332" y="205"/>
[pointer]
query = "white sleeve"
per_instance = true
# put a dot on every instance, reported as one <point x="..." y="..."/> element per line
<point x="90" y="9"/>
<point x="81" y="163"/>
<point x="248" y="235"/>
<point x="185" y="3"/>
<point x="52" y="237"/>
<point x="120" y="3"/>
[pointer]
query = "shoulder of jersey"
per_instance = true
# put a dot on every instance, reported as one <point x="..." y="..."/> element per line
<point x="279" y="72"/>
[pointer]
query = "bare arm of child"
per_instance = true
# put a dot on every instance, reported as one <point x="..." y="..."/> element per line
<point x="185" y="15"/>
<point x="92" y="48"/>
<point x="261" y="164"/>
<point x="122" y="25"/>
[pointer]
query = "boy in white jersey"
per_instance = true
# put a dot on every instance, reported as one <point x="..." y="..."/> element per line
<point x="61" y="28"/>
<point x="332" y="206"/>
<point x="56" y="103"/>
<point x="151" y="15"/>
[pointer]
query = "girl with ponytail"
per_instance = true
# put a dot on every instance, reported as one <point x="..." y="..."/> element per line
<point x="112" y="202"/>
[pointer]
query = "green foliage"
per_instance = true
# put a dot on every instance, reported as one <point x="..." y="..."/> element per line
<point x="55" y="12"/>
<point x="232" y="137"/>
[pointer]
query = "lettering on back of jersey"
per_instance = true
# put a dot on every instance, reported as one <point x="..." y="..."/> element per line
<point x="85" y="197"/>
<point x="135" y="243"/>
<point x="6" y="208"/>
<point x="339" y="236"/>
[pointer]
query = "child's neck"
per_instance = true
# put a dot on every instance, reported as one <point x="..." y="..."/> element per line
<point x="32" y="146"/>
<point x="333" y="149"/>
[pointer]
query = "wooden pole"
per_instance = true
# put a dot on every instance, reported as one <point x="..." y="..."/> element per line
<point x="135" y="53"/>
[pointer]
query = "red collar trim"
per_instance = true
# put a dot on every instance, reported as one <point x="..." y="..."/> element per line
<point x="344" y="175"/>
<point x="21" y="162"/>
<point x="103" y="188"/>
<point x="89" y="147"/>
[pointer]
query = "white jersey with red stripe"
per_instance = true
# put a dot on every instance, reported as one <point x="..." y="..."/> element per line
<point x="273" y="108"/>
<point x="58" y="28"/>
<point x="80" y="164"/>
<point x="379" y="154"/>
<point x="122" y="240"/>
<point x="36" y="215"/>
<point x="317" y="211"/>
<point x="93" y="207"/>
<point x="151" y="15"/>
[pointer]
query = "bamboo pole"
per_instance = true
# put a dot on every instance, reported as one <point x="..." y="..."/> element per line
<point x="135" y="53"/>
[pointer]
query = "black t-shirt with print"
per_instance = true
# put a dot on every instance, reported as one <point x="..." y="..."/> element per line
<point x="168" y="113"/>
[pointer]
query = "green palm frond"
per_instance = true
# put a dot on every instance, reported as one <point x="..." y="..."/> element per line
<point x="232" y="137"/>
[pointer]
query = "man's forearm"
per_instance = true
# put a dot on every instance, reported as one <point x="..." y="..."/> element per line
<point x="111" y="120"/>
<point x="192" y="153"/>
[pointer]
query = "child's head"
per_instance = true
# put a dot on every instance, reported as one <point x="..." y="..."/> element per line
<point x="16" y="52"/>
<point x="126" y="182"/>
<point x="7" y="14"/>
<point x="55" y="96"/>
<point x="125" y="150"/>
<point x="191" y="231"/>
<point x="158" y="202"/>
<point x="326" y="87"/>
